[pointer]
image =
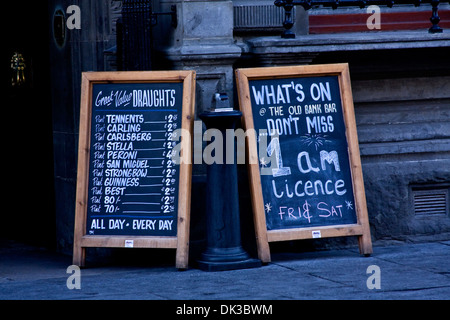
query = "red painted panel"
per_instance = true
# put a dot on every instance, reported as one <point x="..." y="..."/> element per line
<point x="390" y="21"/>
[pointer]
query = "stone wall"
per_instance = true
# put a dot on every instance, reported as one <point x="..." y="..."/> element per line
<point x="404" y="133"/>
<point x="401" y="93"/>
<point x="83" y="50"/>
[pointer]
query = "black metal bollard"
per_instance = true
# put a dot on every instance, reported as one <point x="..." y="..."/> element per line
<point x="224" y="250"/>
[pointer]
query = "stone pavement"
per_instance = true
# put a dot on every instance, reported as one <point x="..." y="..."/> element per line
<point x="407" y="271"/>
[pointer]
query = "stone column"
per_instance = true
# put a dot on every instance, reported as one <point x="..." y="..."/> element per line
<point x="203" y="41"/>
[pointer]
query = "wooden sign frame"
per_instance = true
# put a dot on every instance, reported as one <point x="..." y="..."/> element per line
<point x="180" y="242"/>
<point x="264" y="236"/>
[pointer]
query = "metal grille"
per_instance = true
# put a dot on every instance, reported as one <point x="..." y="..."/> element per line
<point x="431" y="202"/>
<point x="134" y="35"/>
<point x="255" y="16"/>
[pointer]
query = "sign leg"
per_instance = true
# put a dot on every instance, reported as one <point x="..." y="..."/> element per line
<point x="365" y="245"/>
<point x="79" y="256"/>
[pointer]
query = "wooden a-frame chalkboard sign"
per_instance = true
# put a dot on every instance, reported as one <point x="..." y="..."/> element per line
<point x="131" y="193"/>
<point x="303" y="156"/>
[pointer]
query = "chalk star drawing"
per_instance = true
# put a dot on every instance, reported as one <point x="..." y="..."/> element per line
<point x="349" y="205"/>
<point x="263" y="162"/>
<point x="317" y="139"/>
<point x="268" y="207"/>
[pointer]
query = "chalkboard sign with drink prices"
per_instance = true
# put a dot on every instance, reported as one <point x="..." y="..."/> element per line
<point x="131" y="193"/>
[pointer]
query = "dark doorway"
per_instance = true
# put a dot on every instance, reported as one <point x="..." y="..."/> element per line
<point x="28" y="213"/>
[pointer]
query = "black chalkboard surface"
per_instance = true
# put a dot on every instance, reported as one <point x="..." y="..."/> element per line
<point x="306" y="179"/>
<point x="133" y="182"/>
<point x="304" y="164"/>
<point x="131" y="191"/>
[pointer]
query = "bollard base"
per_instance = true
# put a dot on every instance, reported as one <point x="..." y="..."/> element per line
<point x="226" y="266"/>
<point x="223" y="259"/>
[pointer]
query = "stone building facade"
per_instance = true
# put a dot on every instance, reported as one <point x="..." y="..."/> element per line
<point x="400" y="82"/>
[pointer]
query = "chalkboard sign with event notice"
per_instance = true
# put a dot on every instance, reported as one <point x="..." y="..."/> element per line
<point x="304" y="162"/>
<point x="130" y="190"/>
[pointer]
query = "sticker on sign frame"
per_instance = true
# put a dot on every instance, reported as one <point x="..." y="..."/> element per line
<point x="129" y="243"/>
<point x="316" y="234"/>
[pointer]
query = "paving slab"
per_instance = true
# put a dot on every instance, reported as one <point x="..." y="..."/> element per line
<point x="410" y="271"/>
